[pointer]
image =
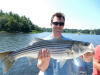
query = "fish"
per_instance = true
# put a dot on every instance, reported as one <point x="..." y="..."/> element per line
<point x="59" y="49"/>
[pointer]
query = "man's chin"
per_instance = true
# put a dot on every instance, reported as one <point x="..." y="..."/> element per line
<point x="58" y="31"/>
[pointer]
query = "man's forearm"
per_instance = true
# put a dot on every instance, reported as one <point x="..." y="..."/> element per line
<point x="96" y="63"/>
<point x="97" y="66"/>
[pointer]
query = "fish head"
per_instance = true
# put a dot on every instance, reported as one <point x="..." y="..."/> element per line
<point x="83" y="47"/>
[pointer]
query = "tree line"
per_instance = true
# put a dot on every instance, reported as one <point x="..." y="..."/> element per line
<point x="10" y="22"/>
<point x="77" y="31"/>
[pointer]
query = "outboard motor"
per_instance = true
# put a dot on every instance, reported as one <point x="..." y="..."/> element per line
<point x="79" y="67"/>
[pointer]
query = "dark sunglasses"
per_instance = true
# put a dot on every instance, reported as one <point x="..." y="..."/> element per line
<point x="56" y="23"/>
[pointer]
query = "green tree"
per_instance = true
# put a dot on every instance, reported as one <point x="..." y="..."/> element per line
<point x="13" y="22"/>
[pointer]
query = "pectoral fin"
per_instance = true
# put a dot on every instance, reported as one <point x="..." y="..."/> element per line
<point x="62" y="62"/>
<point x="68" y="51"/>
<point x="31" y="60"/>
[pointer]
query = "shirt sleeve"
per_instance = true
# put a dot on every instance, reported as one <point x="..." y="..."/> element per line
<point x="97" y="52"/>
<point x="47" y="72"/>
<point x="41" y="73"/>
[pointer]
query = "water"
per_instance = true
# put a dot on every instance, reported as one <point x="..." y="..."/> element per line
<point x="15" y="41"/>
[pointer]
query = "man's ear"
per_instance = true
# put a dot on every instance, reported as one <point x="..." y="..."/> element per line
<point x="50" y="24"/>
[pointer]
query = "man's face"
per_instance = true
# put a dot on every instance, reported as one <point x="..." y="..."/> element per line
<point x="57" y="28"/>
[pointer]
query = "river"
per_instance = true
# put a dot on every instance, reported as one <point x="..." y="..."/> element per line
<point x="15" y="41"/>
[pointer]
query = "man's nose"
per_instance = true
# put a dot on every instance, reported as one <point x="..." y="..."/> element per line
<point x="58" y="25"/>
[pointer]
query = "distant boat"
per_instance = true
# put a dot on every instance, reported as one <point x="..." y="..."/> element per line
<point x="78" y="33"/>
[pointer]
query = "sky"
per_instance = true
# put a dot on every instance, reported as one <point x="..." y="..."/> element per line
<point x="79" y="14"/>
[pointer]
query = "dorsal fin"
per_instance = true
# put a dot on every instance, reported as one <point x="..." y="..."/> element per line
<point x="58" y="38"/>
<point x="37" y="39"/>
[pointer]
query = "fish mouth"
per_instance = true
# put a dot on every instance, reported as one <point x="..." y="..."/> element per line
<point x="92" y="47"/>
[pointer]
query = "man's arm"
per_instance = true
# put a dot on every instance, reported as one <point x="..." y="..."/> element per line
<point x="87" y="57"/>
<point x="43" y="60"/>
<point x="96" y="63"/>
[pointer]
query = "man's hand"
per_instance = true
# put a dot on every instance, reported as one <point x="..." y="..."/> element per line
<point x="43" y="59"/>
<point x="87" y="57"/>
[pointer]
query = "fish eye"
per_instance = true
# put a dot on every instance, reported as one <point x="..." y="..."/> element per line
<point x="85" y="44"/>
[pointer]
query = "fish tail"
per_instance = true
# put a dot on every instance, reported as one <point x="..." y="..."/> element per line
<point x="6" y="62"/>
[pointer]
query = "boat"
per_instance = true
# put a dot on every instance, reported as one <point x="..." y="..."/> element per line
<point x="80" y="67"/>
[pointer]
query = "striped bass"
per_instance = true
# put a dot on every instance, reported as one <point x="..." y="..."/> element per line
<point x="59" y="49"/>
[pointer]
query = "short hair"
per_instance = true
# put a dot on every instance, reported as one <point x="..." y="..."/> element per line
<point x="59" y="15"/>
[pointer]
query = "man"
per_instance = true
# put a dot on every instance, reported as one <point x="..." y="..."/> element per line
<point x="50" y="66"/>
<point x="96" y="61"/>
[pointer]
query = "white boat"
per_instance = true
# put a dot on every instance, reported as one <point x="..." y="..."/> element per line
<point x="80" y="67"/>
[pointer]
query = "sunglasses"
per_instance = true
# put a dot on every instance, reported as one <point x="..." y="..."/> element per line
<point x="56" y="23"/>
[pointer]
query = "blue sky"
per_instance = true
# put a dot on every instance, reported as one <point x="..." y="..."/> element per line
<point x="79" y="14"/>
